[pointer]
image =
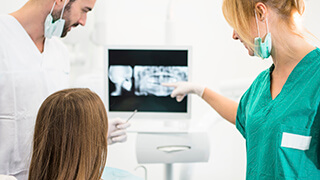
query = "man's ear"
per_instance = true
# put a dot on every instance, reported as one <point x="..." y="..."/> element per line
<point x="61" y="3"/>
<point x="261" y="10"/>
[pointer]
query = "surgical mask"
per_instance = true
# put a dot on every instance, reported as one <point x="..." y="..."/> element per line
<point x="262" y="49"/>
<point x="54" y="28"/>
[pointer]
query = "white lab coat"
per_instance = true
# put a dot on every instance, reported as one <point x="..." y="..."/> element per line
<point x="27" y="77"/>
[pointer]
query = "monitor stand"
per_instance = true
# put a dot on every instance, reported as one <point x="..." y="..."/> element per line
<point x="169" y="169"/>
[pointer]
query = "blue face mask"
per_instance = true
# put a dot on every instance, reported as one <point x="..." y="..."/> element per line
<point x="262" y="49"/>
<point x="54" y="28"/>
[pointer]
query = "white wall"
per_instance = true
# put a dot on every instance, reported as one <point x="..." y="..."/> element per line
<point x="218" y="61"/>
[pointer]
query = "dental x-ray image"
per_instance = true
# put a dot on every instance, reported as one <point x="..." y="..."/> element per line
<point x="121" y="76"/>
<point x="148" y="79"/>
<point x="135" y="77"/>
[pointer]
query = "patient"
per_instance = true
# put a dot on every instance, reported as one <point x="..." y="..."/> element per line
<point x="70" y="137"/>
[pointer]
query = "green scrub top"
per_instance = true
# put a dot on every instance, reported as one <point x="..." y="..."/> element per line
<point x="282" y="135"/>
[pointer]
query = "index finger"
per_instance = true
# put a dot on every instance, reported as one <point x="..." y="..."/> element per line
<point x="124" y="125"/>
<point x="169" y="84"/>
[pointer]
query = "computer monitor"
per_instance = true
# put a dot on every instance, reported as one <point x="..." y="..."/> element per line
<point x="133" y="81"/>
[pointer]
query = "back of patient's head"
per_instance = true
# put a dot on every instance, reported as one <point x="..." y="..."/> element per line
<point x="70" y="137"/>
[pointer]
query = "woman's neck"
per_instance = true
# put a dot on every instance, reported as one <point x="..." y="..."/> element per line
<point x="288" y="50"/>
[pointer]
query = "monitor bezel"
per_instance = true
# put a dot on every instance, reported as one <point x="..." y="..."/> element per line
<point x="145" y="115"/>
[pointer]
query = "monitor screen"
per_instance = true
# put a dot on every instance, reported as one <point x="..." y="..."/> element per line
<point x="134" y="77"/>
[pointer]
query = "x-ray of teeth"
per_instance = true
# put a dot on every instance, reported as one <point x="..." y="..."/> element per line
<point x="148" y="79"/>
<point x="135" y="76"/>
<point x="121" y="76"/>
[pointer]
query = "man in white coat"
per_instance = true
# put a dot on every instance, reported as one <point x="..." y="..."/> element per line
<point x="34" y="64"/>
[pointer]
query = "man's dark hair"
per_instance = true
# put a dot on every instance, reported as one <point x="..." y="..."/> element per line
<point x="68" y="6"/>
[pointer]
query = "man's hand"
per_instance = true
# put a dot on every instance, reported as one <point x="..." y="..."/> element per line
<point x="117" y="130"/>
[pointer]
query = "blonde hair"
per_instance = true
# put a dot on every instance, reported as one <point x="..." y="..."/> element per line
<point x="70" y="137"/>
<point x="239" y="14"/>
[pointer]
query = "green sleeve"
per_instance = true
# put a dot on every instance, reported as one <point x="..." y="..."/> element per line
<point x="241" y="114"/>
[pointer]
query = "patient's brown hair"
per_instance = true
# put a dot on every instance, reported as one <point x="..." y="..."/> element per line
<point x="70" y="137"/>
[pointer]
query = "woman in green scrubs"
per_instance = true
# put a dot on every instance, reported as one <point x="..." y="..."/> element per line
<point x="279" y="115"/>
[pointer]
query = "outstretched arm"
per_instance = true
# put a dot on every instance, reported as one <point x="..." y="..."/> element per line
<point x="226" y="107"/>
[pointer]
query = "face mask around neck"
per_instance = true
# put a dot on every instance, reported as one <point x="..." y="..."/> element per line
<point x="262" y="49"/>
<point x="54" y="28"/>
